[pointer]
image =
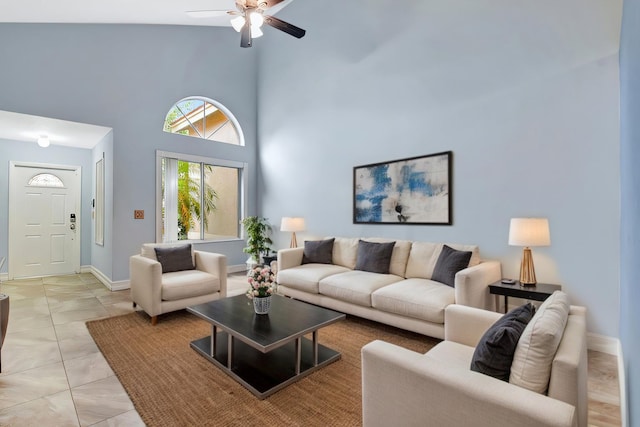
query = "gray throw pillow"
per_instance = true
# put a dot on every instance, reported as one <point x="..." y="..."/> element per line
<point x="374" y="257"/>
<point x="318" y="251"/>
<point x="449" y="263"/>
<point x="175" y="258"/>
<point x="494" y="353"/>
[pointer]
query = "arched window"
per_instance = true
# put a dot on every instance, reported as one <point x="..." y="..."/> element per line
<point x="203" y="118"/>
<point x="200" y="198"/>
<point x="45" y="180"/>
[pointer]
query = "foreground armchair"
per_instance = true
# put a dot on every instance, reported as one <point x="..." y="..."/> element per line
<point x="404" y="388"/>
<point x="189" y="278"/>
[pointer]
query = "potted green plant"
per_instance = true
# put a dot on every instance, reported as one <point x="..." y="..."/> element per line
<point x="258" y="240"/>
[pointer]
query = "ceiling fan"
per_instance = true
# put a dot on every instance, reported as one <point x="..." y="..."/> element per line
<point x="250" y="17"/>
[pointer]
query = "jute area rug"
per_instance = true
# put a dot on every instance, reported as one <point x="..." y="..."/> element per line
<point x="171" y="385"/>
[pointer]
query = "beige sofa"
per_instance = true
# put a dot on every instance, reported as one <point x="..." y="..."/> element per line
<point x="406" y="297"/>
<point x="402" y="387"/>
<point x="159" y="293"/>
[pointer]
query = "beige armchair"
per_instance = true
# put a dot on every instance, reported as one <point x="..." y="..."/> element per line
<point x="404" y="388"/>
<point x="157" y="292"/>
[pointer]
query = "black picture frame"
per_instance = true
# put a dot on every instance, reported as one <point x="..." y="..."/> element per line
<point x="414" y="190"/>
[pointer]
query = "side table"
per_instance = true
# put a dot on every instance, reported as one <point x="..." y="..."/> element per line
<point x="539" y="292"/>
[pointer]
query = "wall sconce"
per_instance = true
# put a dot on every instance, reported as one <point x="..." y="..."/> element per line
<point x="528" y="232"/>
<point x="43" y="141"/>
<point x="292" y="224"/>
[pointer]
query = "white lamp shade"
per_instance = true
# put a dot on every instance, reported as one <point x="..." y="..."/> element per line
<point x="529" y="232"/>
<point x="292" y="224"/>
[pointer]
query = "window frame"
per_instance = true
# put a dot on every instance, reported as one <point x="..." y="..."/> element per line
<point x="220" y="107"/>
<point x="243" y="170"/>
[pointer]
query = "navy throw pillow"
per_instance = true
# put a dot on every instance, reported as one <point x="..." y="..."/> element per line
<point x="494" y="353"/>
<point x="374" y="257"/>
<point x="175" y="258"/>
<point x="449" y="263"/>
<point x="318" y="251"/>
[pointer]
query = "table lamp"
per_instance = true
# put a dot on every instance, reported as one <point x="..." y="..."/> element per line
<point x="292" y="224"/>
<point x="528" y="232"/>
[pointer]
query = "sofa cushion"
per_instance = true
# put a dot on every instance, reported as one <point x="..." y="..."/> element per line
<point x="188" y="283"/>
<point x="175" y="258"/>
<point x="399" y="256"/>
<point x="449" y="263"/>
<point x="418" y="298"/>
<point x="355" y="286"/>
<point x="345" y="252"/>
<point x="531" y="367"/>
<point x="306" y="277"/>
<point x="318" y="251"/>
<point x="374" y="257"/>
<point x="494" y="353"/>
<point x="424" y="256"/>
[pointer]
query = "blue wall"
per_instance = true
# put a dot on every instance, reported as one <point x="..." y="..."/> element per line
<point x="630" y="206"/>
<point x="527" y="103"/>
<point x="127" y="77"/>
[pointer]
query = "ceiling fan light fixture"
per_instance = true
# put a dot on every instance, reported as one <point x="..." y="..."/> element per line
<point x="43" y="141"/>
<point x="256" y="32"/>
<point x="256" y="19"/>
<point x="237" y="23"/>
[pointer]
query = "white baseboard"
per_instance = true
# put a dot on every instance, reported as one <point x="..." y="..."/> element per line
<point x="622" y="383"/>
<point x="612" y="346"/>
<point x="603" y="344"/>
<point x="113" y="286"/>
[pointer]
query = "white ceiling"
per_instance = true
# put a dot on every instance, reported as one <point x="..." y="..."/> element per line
<point x="171" y="12"/>
<point x="28" y="128"/>
<point x="22" y="127"/>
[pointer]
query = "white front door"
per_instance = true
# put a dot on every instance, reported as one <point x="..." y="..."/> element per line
<point x="44" y="220"/>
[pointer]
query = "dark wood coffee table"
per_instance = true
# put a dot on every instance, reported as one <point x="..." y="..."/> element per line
<point x="265" y="352"/>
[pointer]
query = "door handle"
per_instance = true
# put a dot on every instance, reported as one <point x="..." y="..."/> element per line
<point x="72" y="226"/>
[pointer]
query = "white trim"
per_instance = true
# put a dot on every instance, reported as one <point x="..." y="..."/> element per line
<point x="622" y="383"/>
<point x="77" y="208"/>
<point x="242" y="167"/>
<point x="603" y="343"/>
<point x="112" y="286"/>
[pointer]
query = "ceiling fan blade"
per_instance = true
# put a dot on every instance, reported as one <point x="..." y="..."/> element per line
<point x="245" y="34"/>
<point x="206" y="13"/>
<point x="284" y="26"/>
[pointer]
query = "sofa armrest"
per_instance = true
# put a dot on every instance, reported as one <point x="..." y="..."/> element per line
<point x="288" y="258"/>
<point x="146" y="283"/>
<point x="472" y="284"/>
<point x="216" y="264"/>
<point x="568" y="381"/>
<point x="402" y="387"/>
<point x="466" y="325"/>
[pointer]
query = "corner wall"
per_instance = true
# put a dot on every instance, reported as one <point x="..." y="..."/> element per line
<point x="630" y="206"/>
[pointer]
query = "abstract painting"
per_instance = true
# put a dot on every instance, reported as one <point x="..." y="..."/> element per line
<point x="416" y="190"/>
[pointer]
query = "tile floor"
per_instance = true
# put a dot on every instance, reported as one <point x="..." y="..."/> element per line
<point x="54" y="375"/>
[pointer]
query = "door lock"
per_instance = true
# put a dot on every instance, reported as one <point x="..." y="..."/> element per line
<point x="72" y="226"/>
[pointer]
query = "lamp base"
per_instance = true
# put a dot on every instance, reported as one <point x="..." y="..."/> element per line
<point x="294" y="242"/>
<point x="527" y="272"/>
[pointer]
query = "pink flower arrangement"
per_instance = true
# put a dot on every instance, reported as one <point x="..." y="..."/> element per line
<point x="261" y="282"/>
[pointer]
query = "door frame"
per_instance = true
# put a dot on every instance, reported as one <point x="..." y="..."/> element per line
<point x="77" y="249"/>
